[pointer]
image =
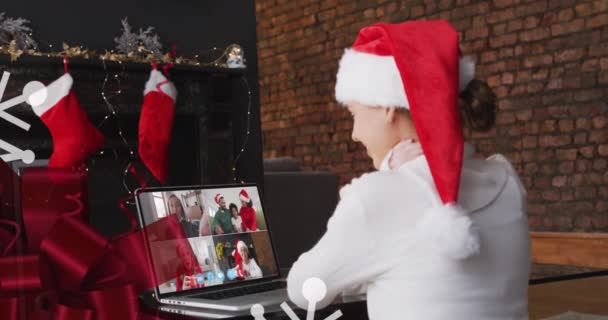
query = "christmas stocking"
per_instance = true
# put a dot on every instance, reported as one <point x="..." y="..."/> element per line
<point x="156" y="123"/>
<point x="74" y="136"/>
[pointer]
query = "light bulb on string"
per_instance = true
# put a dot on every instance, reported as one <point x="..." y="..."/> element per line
<point x="113" y="113"/>
<point x="248" y="125"/>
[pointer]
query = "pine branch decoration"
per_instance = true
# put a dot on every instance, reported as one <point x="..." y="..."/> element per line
<point x="17" y="30"/>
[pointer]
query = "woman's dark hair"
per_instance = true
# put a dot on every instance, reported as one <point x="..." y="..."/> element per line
<point x="478" y="105"/>
<point x="172" y="196"/>
<point x="232" y="205"/>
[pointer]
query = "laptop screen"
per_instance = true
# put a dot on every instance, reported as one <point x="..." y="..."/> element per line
<point x="227" y="236"/>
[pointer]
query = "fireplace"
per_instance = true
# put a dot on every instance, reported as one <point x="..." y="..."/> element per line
<point x="210" y="124"/>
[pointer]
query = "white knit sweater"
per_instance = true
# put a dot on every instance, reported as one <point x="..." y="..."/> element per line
<point x="371" y="245"/>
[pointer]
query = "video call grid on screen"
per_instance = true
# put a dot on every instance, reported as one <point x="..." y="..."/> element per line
<point x="221" y="224"/>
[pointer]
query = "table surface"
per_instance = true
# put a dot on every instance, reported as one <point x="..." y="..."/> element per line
<point x="553" y="290"/>
<point x="579" y="294"/>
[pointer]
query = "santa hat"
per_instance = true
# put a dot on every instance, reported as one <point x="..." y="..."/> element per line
<point x="243" y="195"/>
<point x="417" y="66"/>
<point x="240" y="244"/>
<point x="217" y="198"/>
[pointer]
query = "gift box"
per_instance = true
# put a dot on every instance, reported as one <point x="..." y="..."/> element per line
<point x="46" y="195"/>
<point x="9" y="184"/>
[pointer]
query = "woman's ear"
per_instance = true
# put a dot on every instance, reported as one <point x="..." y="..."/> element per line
<point x="390" y="115"/>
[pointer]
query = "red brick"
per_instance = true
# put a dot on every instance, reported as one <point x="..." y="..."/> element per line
<point x="587" y="151"/>
<point x="567" y="195"/>
<point x="582" y="124"/>
<point x="477" y="33"/>
<point x="597" y="21"/>
<point x="602" y="150"/>
<point x="583" y="9"/>
<point x="534" y="34"/>
<point x="599" y="221"/>
<point x="551" y="195"/>
<point x="559" y="181"/>
<point x="503" y="40"/>
<point x="598" y="49"/>
<point x="417" y="11"/>
<point x="567" y="27"/>
<point x="580" y="138"/>
<point x="569" y="55"/>
<point x="600" y="164"/>
<point x="566" y="167"/>
<point x="598" y="137"/>
<point x="599" y="122"/>
<point x="542" y="183"/>
<point x="554" y="140"/>
<point x="536" y="61"/>
<point x="507" y="78"/>
<point x="585" y="193"/>
<point x="566" y="154"/>
<point x="566" y="125"/>
<point x="531" y="22"/>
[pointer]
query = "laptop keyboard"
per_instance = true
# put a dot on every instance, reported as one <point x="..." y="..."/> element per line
<point x="237" y="292"/>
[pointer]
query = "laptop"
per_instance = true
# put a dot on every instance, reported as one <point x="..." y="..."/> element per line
<point x="227" y="262"/>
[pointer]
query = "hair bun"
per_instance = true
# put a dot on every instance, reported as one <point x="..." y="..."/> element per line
<point x="478" y="103"/>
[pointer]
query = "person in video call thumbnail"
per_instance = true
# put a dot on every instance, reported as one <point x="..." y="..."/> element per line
<point x="222" y="222"/>
<point x="246" y="267"/>
<point x="247" y="212"/>
<point x="237" y="222"/>
<point x="185" y="276"/>
<point x="176" y="207"/>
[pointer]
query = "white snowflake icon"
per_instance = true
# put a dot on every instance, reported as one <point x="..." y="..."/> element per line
<point x="314" y="290"/>
<point x="34" y="93"/>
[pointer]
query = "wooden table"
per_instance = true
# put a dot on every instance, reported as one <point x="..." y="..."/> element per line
<point x="549" y="296"/>
<point x="584" y="294"/>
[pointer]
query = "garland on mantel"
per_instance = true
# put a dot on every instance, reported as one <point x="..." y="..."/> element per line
<point x="16" y="39"/>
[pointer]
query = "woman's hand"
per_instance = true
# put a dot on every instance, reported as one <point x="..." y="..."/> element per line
<point x="403" y="152"/>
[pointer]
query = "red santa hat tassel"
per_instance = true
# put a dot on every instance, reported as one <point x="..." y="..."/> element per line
<point x="415" y="65"/>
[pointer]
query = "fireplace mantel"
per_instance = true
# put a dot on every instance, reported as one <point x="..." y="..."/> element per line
<point x="209" y="126"/>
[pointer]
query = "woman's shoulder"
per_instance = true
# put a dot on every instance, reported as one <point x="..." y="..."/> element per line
<point x="381" y="184"/>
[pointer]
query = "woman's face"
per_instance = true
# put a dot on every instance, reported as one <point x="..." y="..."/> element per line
<point x="376" y="129"/>
<point x="244" y="253"/>
<point x="175" y="207"/>
<point x="243" y="203"/>
<point x="234" y="212"/>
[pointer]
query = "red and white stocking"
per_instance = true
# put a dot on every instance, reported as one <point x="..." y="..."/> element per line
<point x="156" y="123"/>
<point x="75" y="138"/>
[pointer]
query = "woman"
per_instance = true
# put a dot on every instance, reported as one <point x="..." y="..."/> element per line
<point x="247" y="212"/>
<point x="458" y="246"/>
<point x="188" y="270"/>
<point x="246" y="267"/>
<point x="175" y="207"/>
<point x="237" y="222"/>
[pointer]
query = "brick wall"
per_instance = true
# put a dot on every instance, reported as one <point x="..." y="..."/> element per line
<point x="546" y="60"/>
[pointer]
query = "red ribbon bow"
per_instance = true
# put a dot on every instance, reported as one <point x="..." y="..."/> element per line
<point x="76" y="273"/>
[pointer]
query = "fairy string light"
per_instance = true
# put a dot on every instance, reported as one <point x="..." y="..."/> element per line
<point x="113" y="114"/>
<point x="248" y="130"/>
